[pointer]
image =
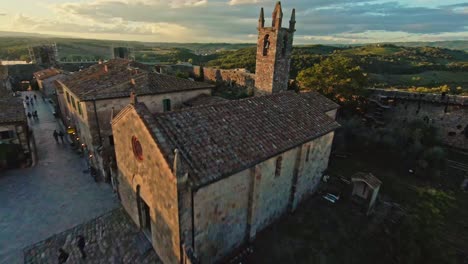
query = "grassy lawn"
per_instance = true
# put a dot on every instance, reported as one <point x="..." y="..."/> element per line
<point x="320" y="232"/>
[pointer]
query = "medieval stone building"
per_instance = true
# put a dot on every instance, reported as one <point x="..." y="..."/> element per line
<point x="14" y="132"/>
<point x="202" y="181"/>
<point x="274" y="48"/>
<point x="90" y="98"/>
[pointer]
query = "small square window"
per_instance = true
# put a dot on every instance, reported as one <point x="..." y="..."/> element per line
<point x="166" y="105"/>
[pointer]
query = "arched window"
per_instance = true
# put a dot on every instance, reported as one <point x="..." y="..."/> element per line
<point x="266" y="44"/>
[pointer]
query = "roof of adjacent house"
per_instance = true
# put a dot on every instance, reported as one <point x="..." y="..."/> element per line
<point x="204" y="99"/>
<point x="118" y="77"/>
<point x="368" y="178"/>
<point x="47" y="73"/>
<point x="11" y="109"/>
<point x="221" y="139"/>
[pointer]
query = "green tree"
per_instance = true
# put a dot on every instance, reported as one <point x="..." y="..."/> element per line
<point x="337" y="77"/>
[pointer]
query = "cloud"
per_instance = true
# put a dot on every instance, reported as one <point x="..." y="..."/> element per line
<point x="245" y="2"/>
<point x="236" y="20"/>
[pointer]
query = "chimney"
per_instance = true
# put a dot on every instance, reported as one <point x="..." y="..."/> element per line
<point x="105" y="68"/>
<point x="132" y="81"/>
<point x="100" y="61"/>
<point x="133" y="98"/>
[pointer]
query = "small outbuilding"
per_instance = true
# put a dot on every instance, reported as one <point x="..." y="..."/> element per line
<point x="365" y="189"/>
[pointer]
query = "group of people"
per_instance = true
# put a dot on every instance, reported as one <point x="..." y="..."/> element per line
<point x="30" y="100"/>
<point x="80" y="243"/>
<point x="57" y="135"/>
<point x="33" y="115"/>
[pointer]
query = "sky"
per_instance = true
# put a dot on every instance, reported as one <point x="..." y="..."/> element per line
<point x="318" y="21"/>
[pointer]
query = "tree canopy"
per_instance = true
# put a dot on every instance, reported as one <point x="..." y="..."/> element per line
<point x="337" y="77"/>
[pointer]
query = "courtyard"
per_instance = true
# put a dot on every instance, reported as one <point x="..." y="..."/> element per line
<point x="53" y="195"/>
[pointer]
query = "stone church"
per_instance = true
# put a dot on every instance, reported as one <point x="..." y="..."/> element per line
<point x="202" y="181"/>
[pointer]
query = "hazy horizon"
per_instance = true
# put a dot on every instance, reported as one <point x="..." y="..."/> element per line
<point x="235" y="21"/>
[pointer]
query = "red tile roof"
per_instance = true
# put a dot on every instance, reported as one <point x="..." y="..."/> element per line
<point x="47" y="73"/>
<point x="368" y="178"/>
<point x="113" y="79"/>
<point x="11" y="109"/>
<point x="221" y="139"/>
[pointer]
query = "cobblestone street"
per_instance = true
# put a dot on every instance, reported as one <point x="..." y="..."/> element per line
<point x="111" y="238"/>
<point x="50" y="197"/>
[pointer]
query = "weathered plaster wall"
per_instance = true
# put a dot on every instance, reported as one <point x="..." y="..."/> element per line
<point x="221" y="216"/>
<point x="158" y="185"/>
<point x="312" y="167"/>
<point x="272" y="193"/>
<point x="231" y="211"/>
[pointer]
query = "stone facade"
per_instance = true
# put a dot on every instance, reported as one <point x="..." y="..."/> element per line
<point x="91" y="120"/>
<point x="157" y="184"/>
<point x="222" y="216"/>
<point x="235" y="77"/>
<point x="448" y="114"/>
<point x="274" y="48"/>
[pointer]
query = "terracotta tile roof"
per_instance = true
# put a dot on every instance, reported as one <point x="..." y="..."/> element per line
<point x="113" y="79"/>
<point x="11" y="109"/>
<point x="368" y="178"/>
<point x="221" y="139"/>
<point x="204" y="99"/>
<point x="47" y="73"/>
<point x="321" y="101"/>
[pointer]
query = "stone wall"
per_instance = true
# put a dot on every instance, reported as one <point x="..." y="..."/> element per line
<point x="221" y="216"/>
<point x="312" y="166"/>
<point x="232" y="211"/>
<point x="448" y="113"/>
<point x="158" y="185"/>
<point x="235" y="77"/>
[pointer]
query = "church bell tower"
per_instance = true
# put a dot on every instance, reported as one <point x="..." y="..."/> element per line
<point x="274" y="47"/>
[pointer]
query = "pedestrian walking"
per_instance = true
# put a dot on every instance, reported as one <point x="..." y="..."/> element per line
<point x="62" y="256"/>
<point x="61" y="136"/>
<point x="43" y="98"/>
<point x="32" y="103"/>
<point x="27" y="98"/>
<point x="35" y="115"/>
<point x="35" y="97"/>
<point x="29" y="115"/>
<point x="55" y="136"/>
<point x="80" y="242"/>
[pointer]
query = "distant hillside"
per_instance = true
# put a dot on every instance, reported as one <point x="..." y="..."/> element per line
<point x="453" y="44"/>
<point x="386" y="64"/>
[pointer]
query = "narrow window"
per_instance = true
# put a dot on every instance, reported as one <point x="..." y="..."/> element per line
<point x="166" y="105"/>
<point x="266" y="44"/>
<point x="73" y="102"/>
<point x="79" y="109"/>
<point x="278" y="166"/>
<point x="308" y="153"/>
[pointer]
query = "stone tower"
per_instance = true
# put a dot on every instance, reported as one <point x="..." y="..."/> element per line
<point x="274" y="47"/>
